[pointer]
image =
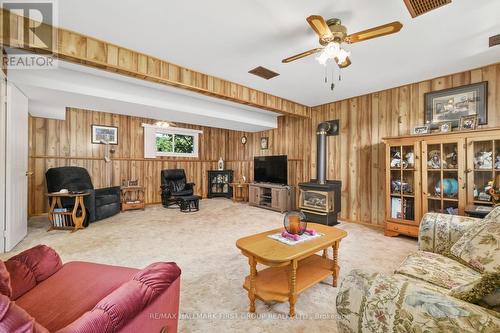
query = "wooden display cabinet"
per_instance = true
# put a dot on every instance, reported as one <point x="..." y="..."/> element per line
<point x="403" y="179"/>
<point x="219" y="183"/>
<point x="449" y="172"/>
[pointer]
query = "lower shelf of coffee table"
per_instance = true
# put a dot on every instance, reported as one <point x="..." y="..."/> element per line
<point x="272" y="283"/>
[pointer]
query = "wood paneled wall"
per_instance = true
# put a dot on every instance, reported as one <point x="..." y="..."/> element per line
<point x="67" y="142"/>
<point x="85" y="50"/>
<point x="357" y="156"/>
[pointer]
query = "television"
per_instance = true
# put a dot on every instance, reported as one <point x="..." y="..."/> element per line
<point x="271" y="169"/>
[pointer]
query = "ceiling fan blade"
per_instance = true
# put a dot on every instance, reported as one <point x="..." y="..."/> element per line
<point x="346" y="63"/>
<point x="301" y="55"/>
<point x="379" y="31"/>
<point x="319" y="26"/>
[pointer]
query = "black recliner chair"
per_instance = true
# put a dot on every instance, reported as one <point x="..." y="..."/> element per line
<point x="174" y="184"/>
<point x="100" y="204"/>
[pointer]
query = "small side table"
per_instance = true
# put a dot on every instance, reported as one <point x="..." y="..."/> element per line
<point x="66" y="220"/>
<point x="478" y="211"/>
<point x="240" y="192"/>
<point x="132" y="197"/>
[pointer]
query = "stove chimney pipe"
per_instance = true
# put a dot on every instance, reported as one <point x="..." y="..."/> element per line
<point x="321" y="147"/>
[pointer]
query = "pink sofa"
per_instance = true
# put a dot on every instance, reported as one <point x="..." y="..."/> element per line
<point x="40" y="294"/>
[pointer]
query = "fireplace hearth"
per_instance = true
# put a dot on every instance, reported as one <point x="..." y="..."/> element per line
<point x="319" y="199"/>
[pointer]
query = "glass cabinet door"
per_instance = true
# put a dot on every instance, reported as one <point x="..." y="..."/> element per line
<point x="443" y="180"/>
<point x="403" y="179"/>
<point x="483" y="166"/>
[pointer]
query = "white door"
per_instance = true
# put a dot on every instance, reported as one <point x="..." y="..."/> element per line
<point x="3" y="121"/>
<point x="16" y="170"/>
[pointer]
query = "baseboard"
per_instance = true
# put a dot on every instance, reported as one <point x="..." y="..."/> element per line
<point x="376" y="226"/>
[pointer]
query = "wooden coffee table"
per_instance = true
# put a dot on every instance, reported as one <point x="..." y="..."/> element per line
<point x="291" y="269"/>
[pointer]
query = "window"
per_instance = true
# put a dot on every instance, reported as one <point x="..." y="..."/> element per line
<point x="174" y="143"/>
<point x="161" y="141"/>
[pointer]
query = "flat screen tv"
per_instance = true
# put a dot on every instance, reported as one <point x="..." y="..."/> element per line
<point x="271" y="169"/>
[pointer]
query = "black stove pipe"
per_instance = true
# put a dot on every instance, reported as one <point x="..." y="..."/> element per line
<point x="321" y="147"/>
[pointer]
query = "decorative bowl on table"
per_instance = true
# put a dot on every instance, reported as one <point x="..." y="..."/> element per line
<point x="295" y="222"/>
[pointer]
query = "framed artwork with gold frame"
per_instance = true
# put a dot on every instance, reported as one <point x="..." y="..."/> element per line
<point x="468" y="122"/>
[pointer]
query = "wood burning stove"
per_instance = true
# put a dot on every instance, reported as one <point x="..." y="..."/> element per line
<point x="319" y="199"/>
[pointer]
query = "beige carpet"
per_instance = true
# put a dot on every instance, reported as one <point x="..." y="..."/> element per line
<point x="203" y="245"/>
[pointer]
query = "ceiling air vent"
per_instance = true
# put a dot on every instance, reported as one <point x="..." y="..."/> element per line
<point x="420" y="7"/>
<point x="494" y="40"/>
<point x="263" y="72"/>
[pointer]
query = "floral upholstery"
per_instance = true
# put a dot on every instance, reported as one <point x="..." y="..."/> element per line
<point x="378" y="303"/>
<point x="432" y="290"/>
<point x="437" y="269"/>
<point x="438" y="232"/>
<point x="485" y="291"/>
<point x="480" y="246"/>
<point x="494" y="213"/>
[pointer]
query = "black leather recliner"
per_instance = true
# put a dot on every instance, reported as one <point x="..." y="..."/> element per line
<point x="174" y="184"/>
<point x="100" y="204"/>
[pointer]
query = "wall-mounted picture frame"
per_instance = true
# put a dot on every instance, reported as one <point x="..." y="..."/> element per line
<point x="445" y="127"/>
<point x="454" y="103"/>
<point x="424" y="129"/>
<point x="104" y="134"/>
<point x="468" y="122"/>
<point x="264" y="143"/>
<point x="243" y="140"/>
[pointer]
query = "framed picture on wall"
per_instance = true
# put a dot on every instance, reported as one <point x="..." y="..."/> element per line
<point x="264" y="143"/>
<point x="104" y="134"/>
<point x="449" y="105"/>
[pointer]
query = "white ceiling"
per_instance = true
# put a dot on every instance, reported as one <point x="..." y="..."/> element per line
<point x="226" y="38"/>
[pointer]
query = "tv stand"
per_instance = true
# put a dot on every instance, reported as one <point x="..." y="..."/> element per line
<point x="276" y="197"/>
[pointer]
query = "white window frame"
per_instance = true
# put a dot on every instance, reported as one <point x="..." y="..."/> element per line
<point x="150" y="132"/>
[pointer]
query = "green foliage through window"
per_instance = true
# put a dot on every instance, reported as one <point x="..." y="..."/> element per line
<point x="174" y="143"/>
<point x="183" y="144"/>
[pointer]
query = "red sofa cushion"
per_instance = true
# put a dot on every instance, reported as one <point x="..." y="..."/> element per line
<point x="15" y="319"/>
<point x="73" y="290"/>
<point x="5" y="288"/>
<point x="121" y="306"/>
<point x="31" y="267"/>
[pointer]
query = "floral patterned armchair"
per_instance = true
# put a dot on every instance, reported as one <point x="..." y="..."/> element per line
<point x="452" y="284"/>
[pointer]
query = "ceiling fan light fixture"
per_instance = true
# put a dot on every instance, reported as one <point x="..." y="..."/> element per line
<point x="333" y="51"/>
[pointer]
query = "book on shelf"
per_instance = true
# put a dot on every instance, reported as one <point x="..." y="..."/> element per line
<point x="59" y="220"/>
<point x="408" y="209"/>
<point x="396" y="208"/>
<point x="402" y="208"/>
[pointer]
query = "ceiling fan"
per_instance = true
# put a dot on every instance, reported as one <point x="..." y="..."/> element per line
<point x="331" y="36"/>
